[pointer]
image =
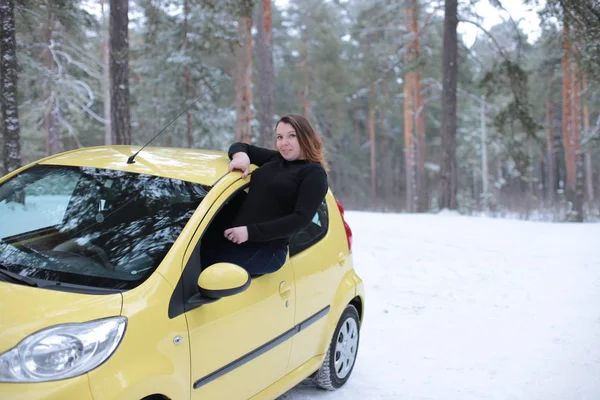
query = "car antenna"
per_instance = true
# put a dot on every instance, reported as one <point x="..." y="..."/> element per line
<point x="131" y="159"/>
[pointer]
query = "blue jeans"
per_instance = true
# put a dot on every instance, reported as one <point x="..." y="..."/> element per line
<point x="256" y="258"/>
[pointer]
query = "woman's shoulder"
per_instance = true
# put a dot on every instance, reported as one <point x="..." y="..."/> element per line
<point x="317" y="166"/>
<point x="315" y="170"/>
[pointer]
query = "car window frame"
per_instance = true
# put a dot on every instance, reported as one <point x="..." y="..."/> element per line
<point x="323" y="210"/>
<point x="185" y="294"/>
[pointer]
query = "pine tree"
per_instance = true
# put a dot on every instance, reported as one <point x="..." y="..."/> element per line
<point x="266" y="82"/>
<point x="8" y="86"/>
<point x="449" y="173"/>
<point x="243" y="73"/>
<point x="119" y="71"/>
<point x="51" y="120"/>
<point x="414" y="119"/>
<point x="571" y="122"/>
<point x="105" y="49"/>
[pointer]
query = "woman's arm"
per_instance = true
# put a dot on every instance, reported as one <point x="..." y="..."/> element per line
<point x="257" y="155"/>
<point x="311" y="193"/>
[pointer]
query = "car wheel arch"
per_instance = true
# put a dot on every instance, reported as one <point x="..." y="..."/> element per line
<point x="357" y="302"/>
<point x="156" y="396"/>
<point x="344" y="295"/>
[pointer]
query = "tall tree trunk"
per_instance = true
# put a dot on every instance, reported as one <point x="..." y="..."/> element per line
<point x="414" y="120"/>
<point x="373" y="146"/>
<point x="384" y="184"/>
<point x="567" y="119"/>
<point x="51" y="120"/>
<point x="589" y="173"/>
<point x="108" y="138"/>
<point x="266" y="88"/>
<point x="475" y="195"/>
<point x="484" y="157"/>
<point x="419" y="112"/>
<point x="531" y="185"/>
<point x="119" y="71"/>
<point x="243" y="75"/>
<point x="304" y="68"/>
<point x="186" y="76"/>
<point x="381" y="128"/>
<point x="355" y="122"/>
<point x="551" y="188"/>
<point x="571" y="129"/>
<point x="448" y="172"/>
<point x="423" y="202"/>
<point x="409" y="143"/>
<point x="589" y="177"/>
<point x="576" y="141"/>
<point x="8" y="87"/>
<point x="54" y="142"/>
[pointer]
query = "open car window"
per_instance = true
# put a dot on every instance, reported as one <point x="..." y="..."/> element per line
<point x="312" y="233"/>
<point x="92" y="227"/>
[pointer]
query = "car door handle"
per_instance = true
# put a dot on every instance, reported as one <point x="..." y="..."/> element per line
<point x="341" y="258"/>
<point x="284" y="288"/>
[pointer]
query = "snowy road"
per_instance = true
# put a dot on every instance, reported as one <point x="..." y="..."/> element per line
<point x="462" y="308"/>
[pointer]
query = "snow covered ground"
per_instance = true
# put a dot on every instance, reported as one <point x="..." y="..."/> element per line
<point x="462" y="308"/>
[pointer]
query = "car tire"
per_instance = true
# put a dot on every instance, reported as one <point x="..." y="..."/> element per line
<point x="341" y="354"/>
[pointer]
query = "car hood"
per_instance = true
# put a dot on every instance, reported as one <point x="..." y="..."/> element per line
<point x="25" y="310"/>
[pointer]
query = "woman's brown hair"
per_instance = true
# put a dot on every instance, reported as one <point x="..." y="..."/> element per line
<point x="310" y="142"/>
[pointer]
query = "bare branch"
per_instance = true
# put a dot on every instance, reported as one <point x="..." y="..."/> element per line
<point x="478" y="25"/>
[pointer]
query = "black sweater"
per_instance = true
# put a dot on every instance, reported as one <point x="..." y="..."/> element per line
<point x="283" y="198"/>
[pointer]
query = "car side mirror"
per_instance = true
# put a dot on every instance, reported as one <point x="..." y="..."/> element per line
<point x="223" y="279"/>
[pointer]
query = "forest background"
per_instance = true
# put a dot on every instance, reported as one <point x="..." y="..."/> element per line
<point x="413" y="119"/>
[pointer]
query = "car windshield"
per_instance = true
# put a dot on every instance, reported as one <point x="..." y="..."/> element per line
<point x="92" y="227"/>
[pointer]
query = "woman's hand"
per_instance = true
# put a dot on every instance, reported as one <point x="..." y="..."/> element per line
<point x="240" y="161"/>
<point x="237" y="235"/>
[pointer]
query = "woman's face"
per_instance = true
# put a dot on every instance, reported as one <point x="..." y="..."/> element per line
<point x="287" y="142"/>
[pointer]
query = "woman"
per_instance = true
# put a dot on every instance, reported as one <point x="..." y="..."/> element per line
<point x="285" y="193"/>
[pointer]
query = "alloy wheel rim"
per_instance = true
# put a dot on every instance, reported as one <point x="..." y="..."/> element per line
<point x="345" y="348"/>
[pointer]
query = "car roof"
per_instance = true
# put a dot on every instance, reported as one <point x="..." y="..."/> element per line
<point x="193" y="165"/>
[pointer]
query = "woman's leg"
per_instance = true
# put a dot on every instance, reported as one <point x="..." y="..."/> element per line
<point x="276" y="259"/>
<point x="256" y="258"/>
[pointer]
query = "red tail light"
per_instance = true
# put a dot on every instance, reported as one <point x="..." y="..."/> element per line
<point x="346" y="226"/>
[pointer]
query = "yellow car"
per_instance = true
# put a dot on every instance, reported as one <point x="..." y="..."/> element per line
<point x="104" y="295"/>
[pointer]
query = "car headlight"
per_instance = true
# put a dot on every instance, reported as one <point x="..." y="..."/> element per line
<point x="62" y="351"/>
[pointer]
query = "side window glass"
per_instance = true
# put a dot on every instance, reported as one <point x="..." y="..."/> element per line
<point x="311" y="234"/>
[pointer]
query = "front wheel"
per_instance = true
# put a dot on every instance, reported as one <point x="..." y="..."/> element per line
<point x="341" y="354"/>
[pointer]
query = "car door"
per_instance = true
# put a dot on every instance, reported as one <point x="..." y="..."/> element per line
<point x="241" y="344"/>
<point x="315" y="258"/>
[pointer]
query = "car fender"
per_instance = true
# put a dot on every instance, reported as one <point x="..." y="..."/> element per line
<point x="359" y="295"/>
<point x="147" y="387"/>
<point x="153" y="356"/>
<point x="345" y="293"/>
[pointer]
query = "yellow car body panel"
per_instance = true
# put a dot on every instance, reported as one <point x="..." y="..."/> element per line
<point x="208" y="166"/>
<point x="346" y="293"/>
<point x="74" y="388"/>
<point x="242" y="323"/>
<point x="290" y="380"/>
<point x="318" y="272"/>
<point x="255" y="345"/>
<point x="148" y="360"/>
<point x="26" y="310"/>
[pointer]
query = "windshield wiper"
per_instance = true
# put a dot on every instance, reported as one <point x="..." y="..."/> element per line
<point x="18" y="278"/>
<point x="73" y="287"/>
<point x="14" y="277"/>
